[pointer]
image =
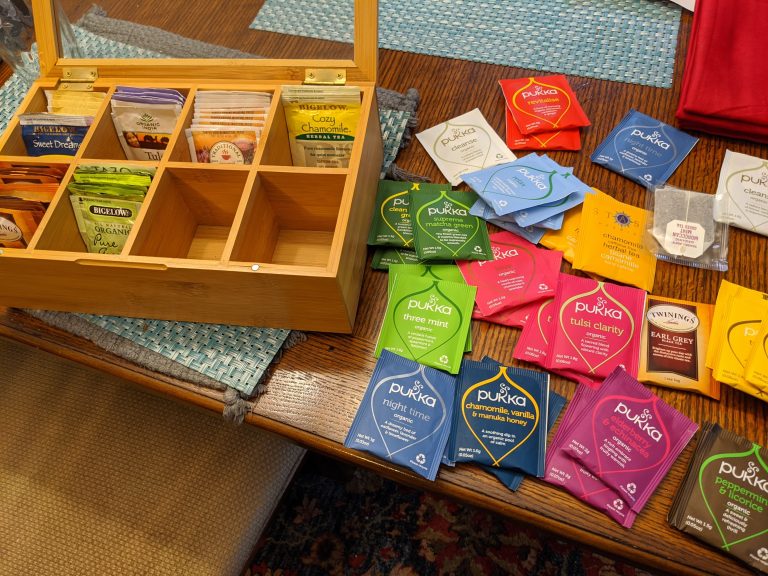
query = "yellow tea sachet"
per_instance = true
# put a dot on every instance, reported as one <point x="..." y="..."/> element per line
<point x="673" y="345"/>
<point x="739" y="328"/>
<point x="756" y="370"/>
<point x="610" y="242"/>
<point x="564" y="240"/>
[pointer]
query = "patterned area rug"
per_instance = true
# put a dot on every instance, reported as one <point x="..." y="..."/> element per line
<point x="336" y="520"/>
<point x="624" y="40"/>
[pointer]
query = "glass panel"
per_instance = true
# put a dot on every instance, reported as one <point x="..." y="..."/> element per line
<point x="296" y="29"/>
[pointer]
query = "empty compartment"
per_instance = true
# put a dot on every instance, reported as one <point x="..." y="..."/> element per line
<point x="290" y="218"/>
<point x="190" y="213"/>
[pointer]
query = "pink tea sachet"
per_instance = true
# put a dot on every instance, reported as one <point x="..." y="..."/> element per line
<point x="514" y="317"/>
<point x="597" y="327"/>
<point x="628" y="437"/>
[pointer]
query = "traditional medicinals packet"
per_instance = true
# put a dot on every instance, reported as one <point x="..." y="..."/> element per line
<point x="629" y="438"/>
<point x="428" y="321"/>
<point x="723" y="499"/>
<point x="405" y="415"/>
<point x="391" y="224"/>
<point x="742" y="192"/>
<point x="643" y="149"/>
<point x="611" y="242"/>
<point x="464" y="144"/>
<point x="501" y="417"/>
<point x="673" y="345"/>
<point x="444" y="229"/>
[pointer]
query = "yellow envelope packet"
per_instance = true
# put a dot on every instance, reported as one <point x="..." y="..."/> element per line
<point x="738" y="332"/>
<point x="756" y="370"/>
<point x="610" y="242"/>
<point x="565" y="239"/>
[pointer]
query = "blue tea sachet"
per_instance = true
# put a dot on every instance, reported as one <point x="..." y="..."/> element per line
<point x="644" y="149"/>
<point x="537" y="215"/>
<point x="533" y="234"/>
<point x="501" y="417"/>
<point x="405" y="415"/>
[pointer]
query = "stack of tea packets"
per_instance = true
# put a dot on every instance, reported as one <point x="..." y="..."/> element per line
<point x="226" y="126"/>
<point x="615" y="445"/>
<point x="738" y="345"/>
<point x="527" y="196"/>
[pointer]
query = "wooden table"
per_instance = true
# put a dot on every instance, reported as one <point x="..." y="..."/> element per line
<point x="314" y="392"/>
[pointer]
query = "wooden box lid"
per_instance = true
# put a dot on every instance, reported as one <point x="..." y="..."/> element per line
<point x="360" y="65"/>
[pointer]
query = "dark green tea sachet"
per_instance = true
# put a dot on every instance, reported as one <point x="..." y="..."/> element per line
<point x="391" y="223"/>
<point x="384" y="257"/>
<point x="443" y="228"/>
<point x="501" y="417"/>
<point x="723" y="499"/>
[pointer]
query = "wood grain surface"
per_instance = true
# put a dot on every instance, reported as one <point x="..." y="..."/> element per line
<point x="316" y="388"/>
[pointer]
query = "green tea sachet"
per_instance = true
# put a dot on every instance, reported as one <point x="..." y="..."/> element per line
<point x="104" y="223"/>
<point x="444" y="229"/>
<point x="427" y="320"/>
<point x="391" y="224"/>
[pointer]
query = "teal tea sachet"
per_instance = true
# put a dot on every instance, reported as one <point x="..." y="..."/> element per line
<point x="444" y="229"/>
<point x="428" y="321"/>
<point x="405" y="415"/>
<point x="501" y="417"/>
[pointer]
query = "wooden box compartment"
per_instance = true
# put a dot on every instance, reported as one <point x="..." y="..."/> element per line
<point x="268" y="244"/>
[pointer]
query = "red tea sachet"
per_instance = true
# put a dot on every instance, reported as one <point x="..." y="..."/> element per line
<point x="569" y="139"/>
<point x="543" y="104"/>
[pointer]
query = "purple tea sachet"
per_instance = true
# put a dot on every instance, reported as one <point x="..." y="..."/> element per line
<point x="628" y="437"/>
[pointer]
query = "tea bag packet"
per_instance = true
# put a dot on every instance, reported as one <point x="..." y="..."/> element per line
<point x="391" y="224"/>
<point x="543" y="104"/>
<point x="569" y="139"/>
<point x="46" y="134"/>
<point x="540" y="215"/>
<point x="464" y="144"/>
<point x="72" y="103"/>
<point x="19" y="220"/>
<point x="565" y="239"/>
<point x="683" y="229"/>
<point x="596" y="327"/>
<point x="514" y="317"/>
<point x="322" y="123"/>
<point x="482" y="210"/>
<point x="742" y="192"/>
<point x="444" y="229"/>
<point x="405" y="415"/>
<point x="628" y="437"/>
<point x="611" y="243"/>
<point x="519" y="273"/>
<point x="673" y="345"/>
<point x="104" y="223"/>
<point x="756" y="368"/>
<point x="383" y="258"/>
<point x="723" y="499"/>
<point x="428" y="321"/>
<point x="111" y="180"/>
<point x="740" y="327"/>
<point x="223" y="145"/>
<point x="643" y="149"/>
<point x="501" y="417"/>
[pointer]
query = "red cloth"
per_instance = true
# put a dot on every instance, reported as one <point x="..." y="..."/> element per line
<point x="725" y="82"/>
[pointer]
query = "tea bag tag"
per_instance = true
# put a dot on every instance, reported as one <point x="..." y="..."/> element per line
<point x="683" y="238"/>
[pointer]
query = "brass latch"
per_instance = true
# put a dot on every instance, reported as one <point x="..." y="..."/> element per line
<point x="79" y="79"/>
<point x="326" y="76"/>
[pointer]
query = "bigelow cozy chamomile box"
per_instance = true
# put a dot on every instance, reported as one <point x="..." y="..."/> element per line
<point x="270" y="244"/>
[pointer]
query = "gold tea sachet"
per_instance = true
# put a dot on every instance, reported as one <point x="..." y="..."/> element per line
<point x="673" y="345"/>
<point x="610" y="242"/>
<point x="740" y="327"/>
<point x="756" y="370"/>
<point x="564" y="240"/>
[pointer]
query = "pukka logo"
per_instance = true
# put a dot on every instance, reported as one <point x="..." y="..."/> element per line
<point x="414" y="393"/>
<point x="536" y="179"/>
<point x="760" y="180"/>
<point x="600" y="309"/>
<point x="642" y="420"/>
<point x="503" y="396"/>
<point x="400" y="202"/>
<point x="749" y="475"/>
<point x="448" y="209"/>
<point x="499" y="253"/>
<point x="750" y="331"/>
<point x="539" y="91"/>
<point x="430" y="305"/>
<point x="653" y="138"/>
<point x="456" y="134"/>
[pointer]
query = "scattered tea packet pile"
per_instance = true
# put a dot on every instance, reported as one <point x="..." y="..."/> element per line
<point x="322" y="123"/>
<point x="106" y="200"/>
<point x="738" y="345"/>
<point x="145" y="119"/>
<point x="615" y="445"/>
<point x="542" y="113"/>
<point x="227" y="125"/>
<point x="25" y="193"/>
<point x="528" y="196"/>
<point x="722" y="499"/>
<point x="742" y="192"/>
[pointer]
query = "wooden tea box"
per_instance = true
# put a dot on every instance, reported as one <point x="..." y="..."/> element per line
<point x="270" y="244"/>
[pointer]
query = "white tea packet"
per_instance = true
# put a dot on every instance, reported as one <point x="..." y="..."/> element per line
<point x="742" y="192"/>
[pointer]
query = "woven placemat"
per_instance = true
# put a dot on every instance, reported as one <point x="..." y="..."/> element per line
<point x="624" y="40"/>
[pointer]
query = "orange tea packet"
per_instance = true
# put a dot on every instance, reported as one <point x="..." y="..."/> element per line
<point x="565" y="239"/>
<point x="543" y="104"/>
<point x="610" y="242"/>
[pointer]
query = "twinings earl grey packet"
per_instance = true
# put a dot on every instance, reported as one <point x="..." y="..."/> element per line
<point x="723" y="499"/>
<point x="464" y="144"/>
<point x="742" y="192"/>
<point x="405" y="415"/>
<point x="428" y="321"/>
<point x="443" y="227"/>
<point x="673" y="345"/>
<point x="643" y="149"/>
<point x="391" y="224"/>
<point x="501" y="417"/>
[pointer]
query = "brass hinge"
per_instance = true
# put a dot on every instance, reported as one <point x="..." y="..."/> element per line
<point x="78" y="79"/>
<point x="325" y="76"/>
